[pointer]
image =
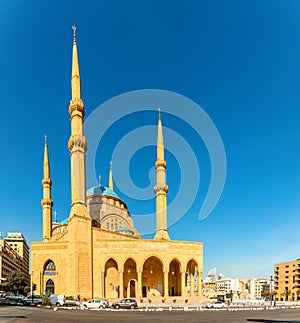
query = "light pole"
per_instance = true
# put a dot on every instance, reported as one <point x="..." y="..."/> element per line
<point x="271" y="297"/>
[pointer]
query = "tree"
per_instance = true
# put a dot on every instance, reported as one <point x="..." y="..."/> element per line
<point x="15" y="282"/>
<point x="286" y="294"/>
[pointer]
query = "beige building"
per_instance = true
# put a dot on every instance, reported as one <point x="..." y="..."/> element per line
<point x="14" y="255"/>
<point x="287" y="281"/>
<point x="97" y="251"/>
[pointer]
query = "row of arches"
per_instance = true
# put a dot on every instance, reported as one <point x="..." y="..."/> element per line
<point x="153" y="279"/>
<point x="150" y="280"/>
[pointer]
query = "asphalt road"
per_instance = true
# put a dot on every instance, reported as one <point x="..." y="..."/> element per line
<point x="41" y="315"/>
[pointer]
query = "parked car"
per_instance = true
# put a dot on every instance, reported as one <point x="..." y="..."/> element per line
<point x="125" y="303"/>
<point x="35" y="300"/>
<point x="218" y="304"/>
<point x="94" y="303"/>
<point x="14" y="299"/>
<point x="57" y="300"/>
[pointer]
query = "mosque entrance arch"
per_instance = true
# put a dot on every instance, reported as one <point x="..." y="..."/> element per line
<point x="49" y="271"/>
<point x="153" y="277"/>
<point x="192" y="277"/>
<point x="111" y="279"/>
<point x="49" y="286"/>
<point x="132" y="288"/>
<point x="130" y="278"/>
<point x="174" y="278"/>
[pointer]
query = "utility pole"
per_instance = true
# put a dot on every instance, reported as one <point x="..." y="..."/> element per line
<point x="271" y="296"/>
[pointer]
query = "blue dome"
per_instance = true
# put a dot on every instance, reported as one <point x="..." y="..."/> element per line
<point x="99" y="190"/>
<point x="109" y="192"/>
<point x="64" y="221"/>
<point x="94" y="190"/>
<point x="124" y="229"/>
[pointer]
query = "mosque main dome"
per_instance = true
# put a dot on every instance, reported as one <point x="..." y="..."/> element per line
<point x="109" y="211"/>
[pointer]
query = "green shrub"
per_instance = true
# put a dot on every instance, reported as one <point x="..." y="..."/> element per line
<point x="46" y="300"/>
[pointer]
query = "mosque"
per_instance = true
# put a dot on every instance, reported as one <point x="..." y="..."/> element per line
<point x="97" y="252"/>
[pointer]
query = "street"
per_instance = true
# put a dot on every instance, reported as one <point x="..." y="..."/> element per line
<point x="44" y="315"/>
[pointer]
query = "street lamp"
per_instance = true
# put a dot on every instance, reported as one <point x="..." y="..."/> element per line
<point x="271" y="298"/>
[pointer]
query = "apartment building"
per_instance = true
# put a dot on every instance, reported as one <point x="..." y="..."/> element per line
<point x="287" y="281"/>
<point x="227" y="285"/>
<point x="14" y="255"/>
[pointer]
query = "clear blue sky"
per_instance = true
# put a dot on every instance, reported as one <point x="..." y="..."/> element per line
<point x="238" y="60"/>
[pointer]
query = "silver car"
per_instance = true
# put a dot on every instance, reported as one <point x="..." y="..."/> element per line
<point x="218" y="304"/>
<point x="94" y="304"/>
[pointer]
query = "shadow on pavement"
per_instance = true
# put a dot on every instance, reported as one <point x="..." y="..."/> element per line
<point x="271" y="321"/>
<point x="12" y="317"/>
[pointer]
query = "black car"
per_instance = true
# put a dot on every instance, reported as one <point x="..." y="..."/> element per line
<point x="125" y="303"/>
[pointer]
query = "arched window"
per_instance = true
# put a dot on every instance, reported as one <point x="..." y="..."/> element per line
<point x="50" y="266"/>
<point x="107" y="226"/>
<point x="49" y="287"/>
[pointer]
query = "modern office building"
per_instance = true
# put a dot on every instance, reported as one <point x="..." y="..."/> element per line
<point x="14" y="255"/>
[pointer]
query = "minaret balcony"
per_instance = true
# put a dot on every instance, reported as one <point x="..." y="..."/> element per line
<point x="158" y="188"/>
<point x="47" y="202"/>
<point x="161" y="163"/>
<point x="77" y="141"/>
<point x="76" y="105"/>
<point x="46" y="181"/>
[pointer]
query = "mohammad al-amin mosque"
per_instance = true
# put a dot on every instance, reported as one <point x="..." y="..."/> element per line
<point x="96" y="251"/>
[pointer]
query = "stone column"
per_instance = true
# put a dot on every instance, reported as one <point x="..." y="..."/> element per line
<point x="121" y="283"/>
<point x="183" y="290"/>
<point x="199" y="276"/>
<point x="192" y="285"/>
<point x="139" y="284"/>
<point x="166" y="283"/>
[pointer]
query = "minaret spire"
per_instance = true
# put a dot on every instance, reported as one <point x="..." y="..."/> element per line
<point x="75" y="80"/>
<point x="47" y="202"/>
<point x="161" y="188"/>
<point x="77" y="142"/>
<point x="111" y="181"/>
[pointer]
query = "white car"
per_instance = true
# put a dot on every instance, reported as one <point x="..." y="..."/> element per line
<point x="94" y="303"/>
<point x="218" y="304"/>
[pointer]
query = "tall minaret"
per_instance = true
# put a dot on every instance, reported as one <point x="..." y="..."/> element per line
<point x="161" y="188"/>
<point x="77" y="142"/>
<point x="111" y="181"/>
<point x="47" y="202"/>
<point x="80" y="251"/>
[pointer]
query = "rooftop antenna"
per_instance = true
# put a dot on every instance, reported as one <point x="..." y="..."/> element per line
<point x="55" y="214"/>
<point x="99" y="180"/>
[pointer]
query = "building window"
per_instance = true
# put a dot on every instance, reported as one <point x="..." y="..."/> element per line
<point x="50" y="266"/>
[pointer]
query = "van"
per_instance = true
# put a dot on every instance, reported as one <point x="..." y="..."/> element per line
<point x="57" y="300"/>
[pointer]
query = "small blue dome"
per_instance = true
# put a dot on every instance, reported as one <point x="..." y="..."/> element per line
<point x="64" y="221"/>
<point x="109" y="192"/>
<point x="94" y="190"/>
<point x="99" y="190"/>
